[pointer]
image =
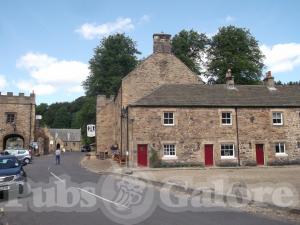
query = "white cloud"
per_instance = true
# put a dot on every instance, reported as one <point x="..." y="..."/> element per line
<point x="91" y="30"/>
<point x="3" y="82"/>
<point x="282" y="57"/>
<point x="40" y="89"/>
<point x="76" y="89"/>
<point x="229" y="19"/>
<point x="49" y="74"/>
<point x="144" y="19"/>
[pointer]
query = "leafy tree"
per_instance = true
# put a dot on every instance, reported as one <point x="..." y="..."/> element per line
<point x="41" y="110"/>
<point x="114" y="58"/>
<point x="189" y="47"/>
<point x="62" y="118"/>
<point x="235" y="48"/>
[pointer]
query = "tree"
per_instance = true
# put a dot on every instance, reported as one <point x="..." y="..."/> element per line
<point x="235" y="48"/>
<point x="189" y="47"/>
<point x="41" y="109"/>
<point x="114" y="58"/>
<point x="62" y="118"/>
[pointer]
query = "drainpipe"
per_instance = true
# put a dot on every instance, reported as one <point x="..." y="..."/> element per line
<point x="30" y="122"/>
<point x="237" y="135"/>
<point x="121" y="123"/>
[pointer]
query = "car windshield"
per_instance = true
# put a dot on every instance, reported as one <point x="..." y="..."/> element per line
<point x="7" y="163"/>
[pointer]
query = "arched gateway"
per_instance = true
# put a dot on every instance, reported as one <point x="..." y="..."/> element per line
<point x="13" y="141"/>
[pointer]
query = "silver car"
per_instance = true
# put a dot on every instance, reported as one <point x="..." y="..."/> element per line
<point x="22" y="155"/>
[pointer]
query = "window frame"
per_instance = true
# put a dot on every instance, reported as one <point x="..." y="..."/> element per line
<point x="168" y="146"/>
<point x="280" y="153"/>
<point x="281" y="118"/>
<point x="7" y="114"/>
<point x="226" y="118"/>
<point x="228" y="156"/>
<point x="168" y="118"/>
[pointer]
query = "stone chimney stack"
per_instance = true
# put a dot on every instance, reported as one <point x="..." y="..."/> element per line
<point x="269" y="80"/>
<point x="229" y="79"/>
<point x="162" y="43"/>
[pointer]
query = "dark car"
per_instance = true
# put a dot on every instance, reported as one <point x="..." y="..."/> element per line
<point x="86" y="148"/>
<point x="12" y="175"/>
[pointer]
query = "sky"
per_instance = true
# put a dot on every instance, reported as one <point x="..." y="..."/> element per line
<point x="45" y="46"/>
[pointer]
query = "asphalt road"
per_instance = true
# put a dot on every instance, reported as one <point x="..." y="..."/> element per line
<point x="68" y="194"/>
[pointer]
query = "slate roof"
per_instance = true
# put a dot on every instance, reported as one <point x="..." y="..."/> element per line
<point x="72" y="135"/>
<point x="219" y="95"/>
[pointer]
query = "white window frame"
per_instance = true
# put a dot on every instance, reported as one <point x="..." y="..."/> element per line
<point x="167" y="147"/>
<point x="280" y="144"/>
<point x="169" y="118"/>
<point x="274" y="117"/>
<point x="227" y="156"/>
<point x="226" y="124"/>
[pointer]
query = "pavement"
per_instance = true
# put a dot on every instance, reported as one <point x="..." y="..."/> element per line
<point x="70" y="194"/>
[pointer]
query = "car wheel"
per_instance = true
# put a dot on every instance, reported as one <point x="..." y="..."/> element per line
<point x="27" y="161"/>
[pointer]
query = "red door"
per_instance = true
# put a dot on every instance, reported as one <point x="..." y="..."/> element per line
<point x="209" y="155"/>
<point x="260" y="159"/>
<point x="142" y="158"/>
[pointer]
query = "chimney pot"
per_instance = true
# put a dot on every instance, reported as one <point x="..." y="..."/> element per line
<point x="229" y="79"/>
<point x="162" y="43"/>
<point x="269" y="80"/>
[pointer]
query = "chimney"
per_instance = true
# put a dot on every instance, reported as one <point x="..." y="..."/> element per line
<point x="162" y="43"/>
<point x="269" y="80"/>
<point x="229" y="79"/>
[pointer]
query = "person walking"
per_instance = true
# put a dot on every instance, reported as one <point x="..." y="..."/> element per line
<point x="57" y="154"/>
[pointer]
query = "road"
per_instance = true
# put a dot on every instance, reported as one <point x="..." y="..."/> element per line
<point x="102" y="199"/>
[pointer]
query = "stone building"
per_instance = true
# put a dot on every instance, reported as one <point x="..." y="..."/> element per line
<point x="17" y="120"/>
<point x="163" y="108"/>
<point x="69" y="139"/>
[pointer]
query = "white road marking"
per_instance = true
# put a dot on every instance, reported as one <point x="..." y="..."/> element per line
<point x="58" y="178"/>
<point x="104" y="199"/>
<point x="83" y="190"/>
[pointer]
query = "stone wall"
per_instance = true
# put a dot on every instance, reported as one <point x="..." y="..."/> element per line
<point x="24" y="107"/>
<point x="195" y="127"/>
<point x="157" y="69"/>
<point x="105" y="123"/>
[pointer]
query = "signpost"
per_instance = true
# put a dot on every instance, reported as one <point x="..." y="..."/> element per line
<point x="91" y="130"/>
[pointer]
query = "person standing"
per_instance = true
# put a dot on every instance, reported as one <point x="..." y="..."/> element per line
<point x="57" y="154"/>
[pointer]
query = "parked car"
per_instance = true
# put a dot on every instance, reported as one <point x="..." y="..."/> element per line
<point x="12" y="175"/>
<point x="22" y="155"/>
<point x="85" y="148"/>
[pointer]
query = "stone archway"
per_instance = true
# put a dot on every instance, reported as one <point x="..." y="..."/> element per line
<point x="43" y="142"/>
<point x="13" y="141"/>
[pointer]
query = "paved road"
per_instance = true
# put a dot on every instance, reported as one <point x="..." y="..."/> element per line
<point x="130" y="202"/>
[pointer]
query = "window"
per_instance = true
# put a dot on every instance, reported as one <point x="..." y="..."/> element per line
<point x="168" y="118"/>
<point x="298" y="144"/>
<point x="280" y="148"/>
<point x="10" y="117"/>
<point x="277" y="118"/>
<point x="169" y="150"/>
<point x="226" y="118"/>
<point x="227" y="151"/>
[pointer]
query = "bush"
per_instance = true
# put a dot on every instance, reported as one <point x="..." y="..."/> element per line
<point x="155" y="162"/>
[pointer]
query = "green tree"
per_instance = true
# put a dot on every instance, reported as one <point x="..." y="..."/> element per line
<point x="41" y="109"/>
<point x="189" y="47"/>
<point x="62" y="118"/>
<point x="235" y="48"/>
<point x="114" y="58"/>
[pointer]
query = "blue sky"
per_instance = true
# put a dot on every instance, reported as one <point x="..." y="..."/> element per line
<point x="45" y="46"/>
